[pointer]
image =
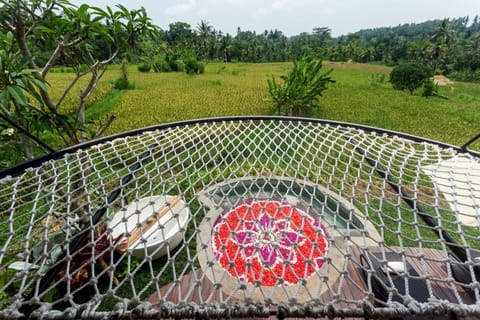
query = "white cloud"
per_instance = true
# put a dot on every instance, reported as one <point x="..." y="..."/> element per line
<point x="262" y="12"/>
<point x="286" y="6"/>
<point x="289" y="5"/>
<point x="181" y="8"/>
<point x="279" y="5"/>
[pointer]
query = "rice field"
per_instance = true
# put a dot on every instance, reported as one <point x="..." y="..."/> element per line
<point x="361" y="94"/>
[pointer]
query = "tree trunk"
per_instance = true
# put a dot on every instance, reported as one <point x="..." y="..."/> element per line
<point x="27" y="147"/>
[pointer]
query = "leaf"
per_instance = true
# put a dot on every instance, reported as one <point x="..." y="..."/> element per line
<point x="22" y="266"/>
<point x="17" y="95"/>
<point x="40" y="84"/>
<point x="56" y="253"/>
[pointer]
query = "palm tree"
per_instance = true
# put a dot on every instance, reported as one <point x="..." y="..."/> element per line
<point x="442" y="39"/>
<point x="205" y="32"/>
<point x="225" y="45"/>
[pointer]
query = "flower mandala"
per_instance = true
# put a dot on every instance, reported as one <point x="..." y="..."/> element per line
<point x="268" y="242"/>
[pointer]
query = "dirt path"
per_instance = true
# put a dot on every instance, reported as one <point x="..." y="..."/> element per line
<point x="442" y="80"/>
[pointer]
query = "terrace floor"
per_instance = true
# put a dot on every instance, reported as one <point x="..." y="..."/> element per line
<point x="197" y="288"/>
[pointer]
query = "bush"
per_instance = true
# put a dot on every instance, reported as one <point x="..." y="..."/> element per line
<point x="123" y="84"/>
<point x="193" y="66"/>
<point x="429" y="88"/>
<point x="144" y="67"/>
<point x="161" y="66"/>
<point x="409" y="76"/>
<point x="175" y="63"/>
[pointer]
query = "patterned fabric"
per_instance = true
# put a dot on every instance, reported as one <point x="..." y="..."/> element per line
<point x="268" y="242"/>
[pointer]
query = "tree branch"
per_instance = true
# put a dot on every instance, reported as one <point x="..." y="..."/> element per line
<point x="39" y="19"/>
<point x="8" y="26"/>
<point x="56" y="54"/>
<point x="69" y="88"/>
<point x="104" y="127"/>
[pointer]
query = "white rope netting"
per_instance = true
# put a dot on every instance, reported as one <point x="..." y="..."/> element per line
<point x="243" y="217"/>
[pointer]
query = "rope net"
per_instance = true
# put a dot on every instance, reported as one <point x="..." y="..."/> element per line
<point x="241" y="218"/>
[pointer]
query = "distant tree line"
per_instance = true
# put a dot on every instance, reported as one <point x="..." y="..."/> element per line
<point x="449" y="46"/>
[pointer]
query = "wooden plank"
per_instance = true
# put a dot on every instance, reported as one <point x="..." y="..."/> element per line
<point x="197" y="288"/>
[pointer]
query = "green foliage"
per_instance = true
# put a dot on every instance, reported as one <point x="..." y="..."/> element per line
<point x="376" y="79"/>
<point x="409" y="76"/>
<point x="17" y="81"/>
<point x="301" y="88"/>
<point x="465" y="75"/>
<point x="144" y="67"/>
<point x="160" y="64"/>
<point x="175" y="62"/>
<point x="194" y="66"/>
<point x="126" y="266"/>
<point x="81" y="68"/>
<point x="122" y="83"/>
<point x="20" y="90"/>
<point x="71" y="37"/>
<point x="429" y="89"/>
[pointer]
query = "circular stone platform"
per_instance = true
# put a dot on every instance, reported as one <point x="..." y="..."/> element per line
<point x="276" y="239"/>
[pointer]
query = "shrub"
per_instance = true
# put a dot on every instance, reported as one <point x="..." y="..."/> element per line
<point x="429" y="88"/>
<point x="144" y="67"/>
<point x="122" y="82"/>
<point x="301" y="88"/>
<point x="409" y="76"/>
<point x="175" y="63"/>
<point x="161" y="65"/>
<point x="193" y="66"/>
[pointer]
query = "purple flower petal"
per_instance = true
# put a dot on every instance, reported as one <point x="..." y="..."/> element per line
<point x="289" y="238"/>
<point x="280" y="225"/>
<point x="268" y="255"/>
<point x="319" y="262"/>
<point x="243" y="237"/>
<point x="249" y="251"/>
<point x="265" y="222"/>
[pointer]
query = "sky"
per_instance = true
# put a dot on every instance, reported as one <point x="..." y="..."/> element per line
<point x="293" y="17"/>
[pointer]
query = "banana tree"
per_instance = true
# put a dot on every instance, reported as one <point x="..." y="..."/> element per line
<point x="300" y="90"/>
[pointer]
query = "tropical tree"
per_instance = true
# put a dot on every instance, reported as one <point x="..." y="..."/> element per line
<point x="410" y="76"/>
<point x="442" y="40"/>
<point x="224" y="47"/>
<point x="206" y="37"/>
<point x="299" y="92"/>
<point x="66" y="34"/>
